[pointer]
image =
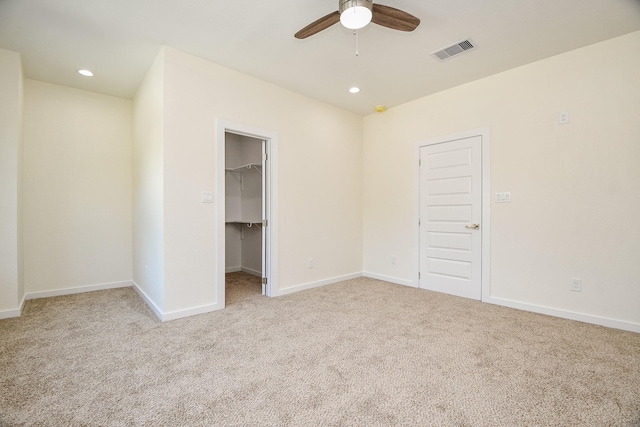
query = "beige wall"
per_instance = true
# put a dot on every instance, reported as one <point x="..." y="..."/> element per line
<point x="11" y="111"/>
<point x="320" y="176"/>
<point x="77" y="188"/>
<point x="148" y="208"/>
<point x="575" y="187"/>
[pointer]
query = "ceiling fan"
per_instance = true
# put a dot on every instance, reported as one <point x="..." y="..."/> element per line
<point x="355" y="14"/>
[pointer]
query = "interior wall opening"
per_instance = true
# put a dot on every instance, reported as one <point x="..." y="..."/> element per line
<point x="244" y="214"/>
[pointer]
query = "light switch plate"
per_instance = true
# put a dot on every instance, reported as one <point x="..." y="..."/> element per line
<point x="503" y="197"/>
<point x="575" y="284"/>
<point x="207" y="197"/>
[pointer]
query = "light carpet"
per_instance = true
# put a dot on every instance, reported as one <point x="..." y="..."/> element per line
<point x="360" y="352"/>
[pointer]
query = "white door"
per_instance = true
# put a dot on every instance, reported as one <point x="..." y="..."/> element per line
<point x="265" y="273"/>
<point x="450" y="217"/>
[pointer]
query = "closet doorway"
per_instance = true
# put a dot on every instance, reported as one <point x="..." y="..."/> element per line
<point x="246" y="213"/>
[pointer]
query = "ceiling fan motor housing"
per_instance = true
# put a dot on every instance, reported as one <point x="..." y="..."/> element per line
<point x="359" y="13"/>
<point x="346" y="4"/>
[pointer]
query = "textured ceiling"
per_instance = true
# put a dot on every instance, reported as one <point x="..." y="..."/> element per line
<point x="119" y="39"/>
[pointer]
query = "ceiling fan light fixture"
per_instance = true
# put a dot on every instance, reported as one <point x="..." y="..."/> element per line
<point x="355" y="14"/>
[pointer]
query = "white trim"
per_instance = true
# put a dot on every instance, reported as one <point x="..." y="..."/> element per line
<point x="416" y="214"/>
<point x="581" y="317"/>
<point x="395" y="280"/>
<point x="193" y="311"/>
<point x="223" y="126"/>
<point x="152" y="305"/>
<point x="77" y="290"/>
<point x="8" y="314"/>
<point x="250" y="271"/>
<point x="16" y="312"/>
<point x="486" y="213"/>
<point x="549" y="311"/>
<point x="243" y="269"/>
<point x="177" y="314"/>
<point x="21" y="305"/>
<point x="317" y="284"/>
<point x="485" y="135"/>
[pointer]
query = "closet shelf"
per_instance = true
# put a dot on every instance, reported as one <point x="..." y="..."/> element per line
<point x="247" y="223"/>
<point x="245" y="168"/>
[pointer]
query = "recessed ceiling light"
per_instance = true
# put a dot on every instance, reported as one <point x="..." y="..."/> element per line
<point x="354" y="89"/>
<point x="86" y="73"/>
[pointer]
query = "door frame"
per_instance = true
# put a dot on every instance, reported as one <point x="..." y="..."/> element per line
<point x="271" y="138"/>
<point x="485" y="227"/>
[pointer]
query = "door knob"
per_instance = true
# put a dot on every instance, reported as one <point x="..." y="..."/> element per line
<point x="472" y="226"/>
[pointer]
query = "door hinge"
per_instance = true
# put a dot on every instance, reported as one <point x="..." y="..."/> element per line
<point x="265" y="223"/>
<point x="418" y="275"/>
<point x="264" y="280"/>
<point x="419" y="222"/>
<point x="419" y="162"/>
<point x="265" y="156"/>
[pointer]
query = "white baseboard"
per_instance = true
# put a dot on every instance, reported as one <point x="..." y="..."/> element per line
<point x="395" y="280"/>
<point x="193" y="311"/>
<point x="564" y="314"/>
<point x="178" y="314"/>
<point x="152" y="305"/>
<point x="243" y="269"/>
<point x="16" y="312"/>
<point x="77" y="290"/>
<point x="581" y="317"/>
<point x="8" y="314"/>
<point x="5" y="314"/>
<point x="252" y="272"/>
<point x="317" y="284"/>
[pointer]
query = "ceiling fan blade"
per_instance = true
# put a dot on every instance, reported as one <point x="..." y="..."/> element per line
<point x="318" y="25"/>
<point x="394" y="18"/>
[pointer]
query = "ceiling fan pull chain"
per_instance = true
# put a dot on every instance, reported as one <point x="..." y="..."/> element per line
<point x="355" y="33"/>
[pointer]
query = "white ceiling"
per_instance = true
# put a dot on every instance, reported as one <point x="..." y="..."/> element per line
<point x="119" y="39"/>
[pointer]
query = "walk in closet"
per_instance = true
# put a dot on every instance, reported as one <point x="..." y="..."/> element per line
<point x="244" y="205"/>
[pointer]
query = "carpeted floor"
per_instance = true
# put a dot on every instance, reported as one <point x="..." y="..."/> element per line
<point x="360" y="352"/>
<point x="241" y="287"/>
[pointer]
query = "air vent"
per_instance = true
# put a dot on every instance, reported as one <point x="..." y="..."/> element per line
<point x="453" y="50"/>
